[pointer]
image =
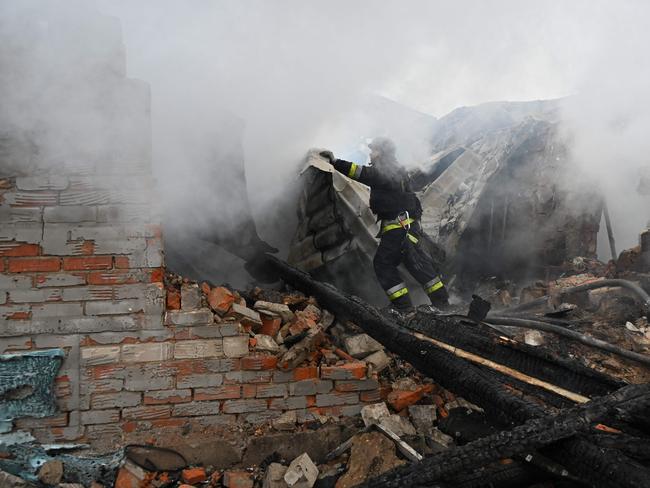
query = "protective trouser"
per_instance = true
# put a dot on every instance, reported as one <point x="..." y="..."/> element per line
<point x="398" y="246"/>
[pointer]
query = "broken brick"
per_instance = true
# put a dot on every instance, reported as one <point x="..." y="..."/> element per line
<point x="194" y="475"/>
<point x="173" y="299"/>
<point x="237" y="479"/>
<point x="220" y="300"/>
<point x="400" y="399"/>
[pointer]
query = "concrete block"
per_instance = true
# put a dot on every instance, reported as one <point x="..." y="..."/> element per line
<point x="57" y="310"/>
<point x="220" y="365"/>
<point x="302" y="472"/>
<point x="199" y="380"/>
<point x="139" y="353"/>
<point x="196" y="409"/>
<point x="204" y="348"/>
<point x="33" y="183"/>
<point x="85" y="197"/>
<point x="310" y="387"/>
<point x="112" y="400"/>
<point x="3" y="297"/>
<point x="123" y="213"/>
<point x="22" y="232"/>
<point x="13" y="282"/>
<point x="59" y="279"/>
<point x="190" y="296"/>
<point x="69" y="213"/>
<point x="204" y="332"/>
<point x="356" y="385"/>
<point x="274" y="477"/>
<point x="179" y="318"/>
<point x="235" y="346"/>
<point x="92" y="356"/>
<point x="35" y="296"/>
<point x="228" y="329"/>
<point x="278" y="309"/>
<point x="255" y="377"/>
<point x="378" y="361"/>
<point x="423" y="417"/>
<point x="245" y="315"/>
<point x="93" y="417"/>
<point x="167" y="397"/>
<point x="290" y="403"/>
<point x="361" y="345"/>
<point x="127" y="245"/>
<point x="398" y="424"/>
<point x="145" y="377"/>
<point x="269" y="391"/>
<point x="337" y="398"/>
<point x="266" y="343"/>
<point x="14" y="215"/>
<point x="119" y="307"/>
<point x="244" y="406"/>
<point x="372" y="414"/>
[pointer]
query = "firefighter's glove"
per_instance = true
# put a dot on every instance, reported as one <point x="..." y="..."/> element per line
<point x="329" y="155"/>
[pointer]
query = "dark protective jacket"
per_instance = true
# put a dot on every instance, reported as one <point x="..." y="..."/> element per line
<point x="390" y="189"/>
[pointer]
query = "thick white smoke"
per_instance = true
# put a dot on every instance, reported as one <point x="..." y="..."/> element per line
<point x="299" y="74"/>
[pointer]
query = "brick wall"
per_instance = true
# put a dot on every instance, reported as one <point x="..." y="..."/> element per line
<point x="81" y="269"/>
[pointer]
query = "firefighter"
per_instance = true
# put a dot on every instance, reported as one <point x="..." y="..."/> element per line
<point x="399" y="210"/>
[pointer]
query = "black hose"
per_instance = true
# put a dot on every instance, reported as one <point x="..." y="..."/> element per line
<point x="555" y="329"/>
<point x="633" y="287"/>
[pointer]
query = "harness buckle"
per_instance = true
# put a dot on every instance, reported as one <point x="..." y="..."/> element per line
<point x="404" y="220"/>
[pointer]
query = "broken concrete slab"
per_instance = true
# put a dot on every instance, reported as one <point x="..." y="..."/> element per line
<point x="220" y="300"/>
<point x="276" y="308"/>
<point x="237" y="479"/>
<point x="190" y="296"/>
<point x="287" y="421"/>
<point x="361" y="345"/>
<point x="246" y="316"/>
<point x="398" y="424"/>
<point x="274" y="477"/>
<point x="372" y="455"/>
<point x="299" y="351"/>
<point x="302" y="472"/>
<point x="266" y="343"/>
<point x="372" y="414"/>
<point x="423" y="417"/>
<point x="379" y="361"/>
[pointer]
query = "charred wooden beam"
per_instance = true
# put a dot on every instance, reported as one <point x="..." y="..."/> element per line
<point x="582" y="458"/>
<point x="532" y="435"/>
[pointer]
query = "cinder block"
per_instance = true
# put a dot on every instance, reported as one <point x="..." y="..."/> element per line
<point x="112" y="400"/>
<point x="93" y="417"/>
<point x="259" y="418"/>
<point x="244" y="406"/>
<point x="333" y="399"/>
<point x="126" y="245"/>
<point x="59" y="279"/>
<point x="221" y="365"/>
<point x="269" y="391"/>
<point x="228" y="329"/>
<point x="92" y="356"/>
<point x="149" y="412"/>
<point x="57" y="310"/>
<point x="190" y="296"/>
<point x="255" y="377"/>
<point x="32" y="183"/>
<point x="290" y="403"/>
<point x="189" y="318"/>
<point x="235" y="346"/>
<point x="149" y="376"/>
<point x="85" y="197"/>
<point x="14" y="215"/>
<point x="35" y="296"/>
<point x="87" y="293"/>
<point x="105" y="307"/>
<point x="356" y="385"/>
<point x="310" y="387"/>
<point x="31" y="199"/>
<point x="199" y="380"/>
<point x="123" y="213"/>
<point x="167" y="397"/>
<point x="31" y="232"/>
<point x="205" y="348"/>
<point x="195" y="409"/>
<point x="8" y="282"/>
<point x="69" y="213"/>
<point x="140" y="353"/>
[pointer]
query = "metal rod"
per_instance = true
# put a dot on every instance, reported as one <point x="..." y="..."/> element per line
<point x="610" y="233"/>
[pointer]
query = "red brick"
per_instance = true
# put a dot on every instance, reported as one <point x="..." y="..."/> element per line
<point x="26" y="265"/>
<point x="194" y="475"/>
<point x="258" y="363"/>
<point x="311" y="401"/>
<point x="270" y="325"/>
<point x="19" y="316"/>
<point x="17" y="249"/>
<point x="249" y="391"/>
<point x="146" y="413"/>
<point x="168" y="423"/>
<point x="173" y="299"/>
<point x="128" y="427"/>
<point x="237" y="479"/>
<point x="122" y="262"/>
<point x="126" y="479"/>
<point x="157" y="275"/>
<point x="305" y="373"/>
<point x="82" y="263"/>
<point x="400" y="399"/>
<point x="221" y="299"/>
